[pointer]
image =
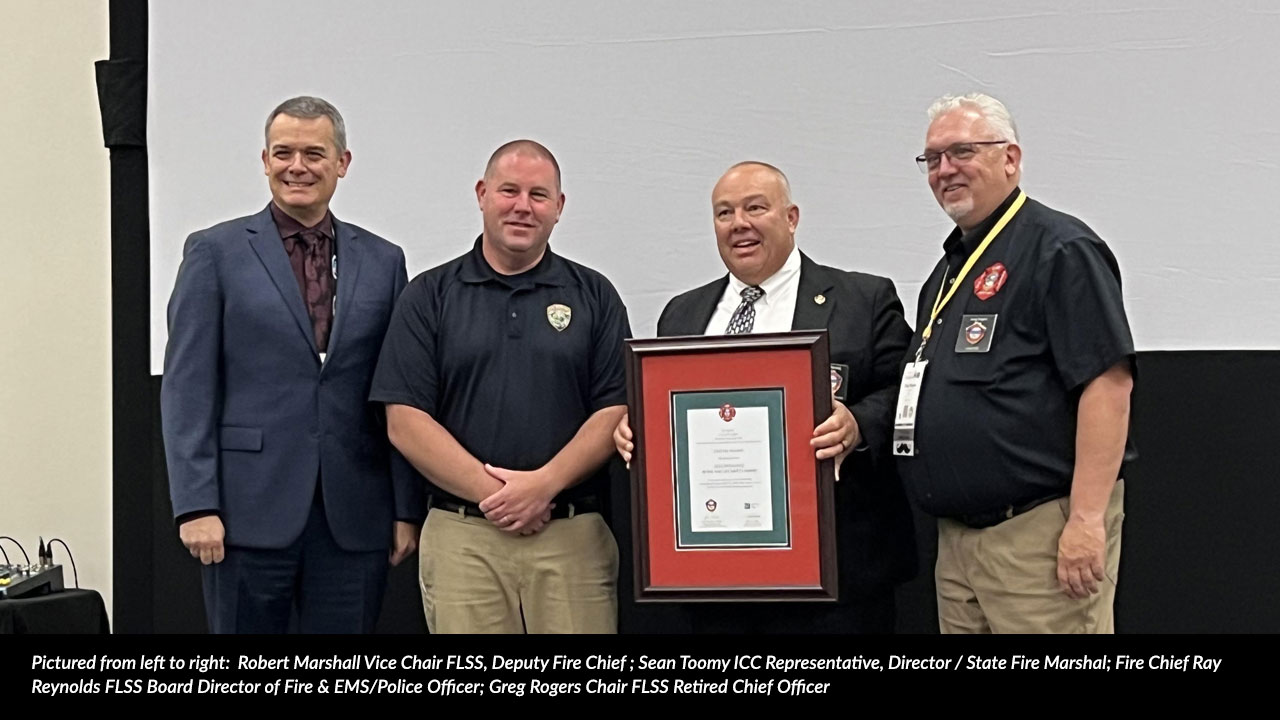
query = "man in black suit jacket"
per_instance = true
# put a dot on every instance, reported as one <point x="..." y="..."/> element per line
<point x="772" y="287"/>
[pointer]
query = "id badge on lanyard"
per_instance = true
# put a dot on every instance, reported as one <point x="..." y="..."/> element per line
<point x="904" y="419"/>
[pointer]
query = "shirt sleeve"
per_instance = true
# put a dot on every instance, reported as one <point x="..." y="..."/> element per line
<point x="608" y="368"/>
<point x="1084" y="312"/>
<point x="408" y="371"/>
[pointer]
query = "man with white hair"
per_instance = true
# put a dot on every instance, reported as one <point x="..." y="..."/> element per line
<point x="1013" y="412"/>
<point x="771" y="286"/>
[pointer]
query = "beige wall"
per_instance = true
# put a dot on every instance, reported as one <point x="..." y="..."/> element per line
<point x="55" y="274"/>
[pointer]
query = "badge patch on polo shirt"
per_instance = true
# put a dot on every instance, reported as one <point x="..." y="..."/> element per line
<point x="990" y="281"/>
<point x="975" y="333"/>
<point x="559" y="316"/>
<point x="839" y="380"/>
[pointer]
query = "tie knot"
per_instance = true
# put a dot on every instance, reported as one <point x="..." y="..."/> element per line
<point x="310" y="239"/>
<point x="752" y="293"/>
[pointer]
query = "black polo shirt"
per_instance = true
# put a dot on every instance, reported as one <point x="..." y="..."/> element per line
<point x="479" y="352"/>
<point x="998" y="428"/>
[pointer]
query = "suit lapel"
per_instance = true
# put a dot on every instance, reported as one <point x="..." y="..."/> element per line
<point x="705" y="303"/>
<point x="814" y="283"/>
<point x="350" y="254"/>
<point x="264" y="238"/>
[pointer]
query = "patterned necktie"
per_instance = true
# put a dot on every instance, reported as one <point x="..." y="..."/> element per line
<point x="319" y="285"/>
<point x="745" y="316"/>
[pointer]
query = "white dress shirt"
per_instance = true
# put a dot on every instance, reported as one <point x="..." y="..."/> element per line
<point x="774" y="311"/>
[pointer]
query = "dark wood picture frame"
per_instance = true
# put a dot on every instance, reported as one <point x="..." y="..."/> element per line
<point x="737" y="362"/>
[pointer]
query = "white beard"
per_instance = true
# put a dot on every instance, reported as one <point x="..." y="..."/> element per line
<point x="958" y="209"/>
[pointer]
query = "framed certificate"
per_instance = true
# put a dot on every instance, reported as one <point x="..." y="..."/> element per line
<point x="728" y="502"/>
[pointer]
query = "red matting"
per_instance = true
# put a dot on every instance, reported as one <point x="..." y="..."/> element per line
<point x="795" y="566"/>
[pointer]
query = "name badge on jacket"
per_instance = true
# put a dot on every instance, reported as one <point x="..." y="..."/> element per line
<point x="839" y="381"/>
<point x="975" y="333"/>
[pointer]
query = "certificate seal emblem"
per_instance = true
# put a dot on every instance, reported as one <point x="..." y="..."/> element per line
<point x="727" y="412"/>
<point x="711" y="506"/>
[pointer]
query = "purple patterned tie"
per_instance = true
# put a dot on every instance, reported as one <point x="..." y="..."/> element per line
<point x="318" y="295"/>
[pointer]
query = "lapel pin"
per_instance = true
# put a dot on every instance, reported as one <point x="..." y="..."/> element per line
<point x="820" y="299"/>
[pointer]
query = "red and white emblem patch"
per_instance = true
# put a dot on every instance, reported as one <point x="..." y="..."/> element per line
<point x="990" y="281"/>
<point x="727" y="412"/>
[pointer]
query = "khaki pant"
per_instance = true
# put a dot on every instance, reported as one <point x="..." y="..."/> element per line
<point x="476" y="578"/>
<point x="1004" y="578"/>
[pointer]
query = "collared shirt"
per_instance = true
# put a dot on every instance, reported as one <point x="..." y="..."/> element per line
<point x="998" y="428"/>
<point x="320" y="308"/>
<point x="774" y="312"/>
<point x="510" y="365"/>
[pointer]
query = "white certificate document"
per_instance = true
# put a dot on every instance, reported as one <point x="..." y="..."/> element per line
<point x="729" y="483"/>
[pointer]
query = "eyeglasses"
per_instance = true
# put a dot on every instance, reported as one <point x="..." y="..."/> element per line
<point x="958" y="153"/>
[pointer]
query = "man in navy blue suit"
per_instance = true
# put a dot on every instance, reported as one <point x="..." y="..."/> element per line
<point x="282" y="479"/>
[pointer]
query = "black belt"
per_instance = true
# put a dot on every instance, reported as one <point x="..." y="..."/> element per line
<point x="563" y="509"/>
<point x="978" y="521"/>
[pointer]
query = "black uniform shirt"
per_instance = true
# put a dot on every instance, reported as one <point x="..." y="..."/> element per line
<point x="997" y="429"/>
<point x="510" y="365"/>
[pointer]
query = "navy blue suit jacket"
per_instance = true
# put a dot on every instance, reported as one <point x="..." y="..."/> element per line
<point x="253" y="423"/>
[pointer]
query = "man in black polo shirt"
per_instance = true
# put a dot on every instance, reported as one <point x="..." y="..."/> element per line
<point x="1013" y="415"/>
<point x="503" y="377"/>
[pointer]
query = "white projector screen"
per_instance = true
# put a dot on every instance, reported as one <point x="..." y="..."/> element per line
<point x="1150" y="121"/>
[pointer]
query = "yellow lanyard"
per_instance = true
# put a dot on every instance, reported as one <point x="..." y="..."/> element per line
<point x="941" y="302"/>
